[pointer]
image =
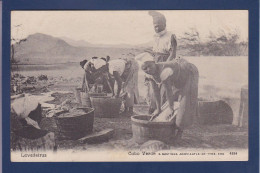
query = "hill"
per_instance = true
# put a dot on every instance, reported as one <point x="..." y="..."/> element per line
<point x="45" y="49"/>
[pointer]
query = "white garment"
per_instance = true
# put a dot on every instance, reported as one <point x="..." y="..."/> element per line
<point x="167" y="72"/>
<point x="162" y="42"/>
<point x="97" y="63"/>
<point x="117" y="65"/>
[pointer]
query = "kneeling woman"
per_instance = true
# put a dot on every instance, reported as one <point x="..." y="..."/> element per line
<point x="125" y="73"/>
<point x="180" y="79"/>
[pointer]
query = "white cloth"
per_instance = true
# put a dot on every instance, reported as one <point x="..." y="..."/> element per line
<point x="162" y="42"/>
<point x="167" y="72"/>
<point x="167" y="115"/>
<point x="117" y="65"/>
<point x="22" y="107"/>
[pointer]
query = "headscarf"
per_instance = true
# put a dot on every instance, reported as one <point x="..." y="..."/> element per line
<point x="82" y="63"/>
<point x="98" y="62"/>
<point x="157" y="17"/>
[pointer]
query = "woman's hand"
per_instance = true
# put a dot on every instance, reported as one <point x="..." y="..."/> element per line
<point x="119" y="82"/>
<point x="123" y="86"/>
<point x="155" y="114"/>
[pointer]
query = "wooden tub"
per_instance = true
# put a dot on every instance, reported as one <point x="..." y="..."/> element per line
<point x="106" y="107"/>
<point x="145" y="130"/>
<point x="75" y="126"/>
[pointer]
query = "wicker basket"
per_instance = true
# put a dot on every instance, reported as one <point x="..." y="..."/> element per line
<point x="106" y="107"/>
<point x="75" y="127"/>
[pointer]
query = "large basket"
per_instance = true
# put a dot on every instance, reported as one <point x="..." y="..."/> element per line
<point x="75" y="127"/>
<point x="145" y="130"/>
<point x="106" y="107"/>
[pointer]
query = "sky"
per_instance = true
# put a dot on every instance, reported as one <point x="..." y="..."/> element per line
<point x="125" y="27"/>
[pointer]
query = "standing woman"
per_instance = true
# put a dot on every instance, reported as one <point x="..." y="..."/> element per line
<point x="165" y="44"/>
<point x="164" y="49"/>
<point x="125" y="73"/>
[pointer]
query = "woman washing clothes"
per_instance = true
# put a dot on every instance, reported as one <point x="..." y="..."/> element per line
<point x="180" y="80"/>
<point x="96" y="72"/>
<point x="125" y="73"/>
<point x="164" y="49"/>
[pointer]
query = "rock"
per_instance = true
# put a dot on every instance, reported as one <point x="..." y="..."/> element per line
<point x="28" y="88"/>
<point x="31" y="80"/>
<point x="42" y="77"/>
<point x="98" y="137"/>
<point x="154" y="145"/>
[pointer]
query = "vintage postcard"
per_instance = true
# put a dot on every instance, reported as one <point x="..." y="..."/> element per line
<point x="118" y="86"/>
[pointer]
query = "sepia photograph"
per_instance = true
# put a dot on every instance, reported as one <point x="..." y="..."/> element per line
<point x="129" y="85"/>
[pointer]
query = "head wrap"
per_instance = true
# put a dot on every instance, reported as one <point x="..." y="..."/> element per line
<point x="157" y="17"/>
<point x="82" y="63"/>
<point x="146" y="65"/>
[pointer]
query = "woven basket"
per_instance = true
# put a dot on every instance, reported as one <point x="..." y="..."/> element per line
<point x="106" y="107"/>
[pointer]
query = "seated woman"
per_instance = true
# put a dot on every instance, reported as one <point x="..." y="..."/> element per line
<point x="180" y="79"/>
<point x="125" y="73"/>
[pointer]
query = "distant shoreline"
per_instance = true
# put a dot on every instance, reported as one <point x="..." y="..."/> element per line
<point x="63" y="63"/>
<point x="48" y="64"/>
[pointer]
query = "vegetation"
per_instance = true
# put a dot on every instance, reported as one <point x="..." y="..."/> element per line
<point x="220" y="44"/>
<point x="44" y="49"/>
<point x="15" y="41"/>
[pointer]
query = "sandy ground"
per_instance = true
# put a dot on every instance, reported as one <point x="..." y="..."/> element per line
<point x="220" y="136"/>
<point x="220" y="78"/>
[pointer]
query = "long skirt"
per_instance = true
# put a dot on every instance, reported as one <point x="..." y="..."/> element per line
<point x="132" y="86"/>
<point x="188" y="98"/>
<point x="150" y="94"/>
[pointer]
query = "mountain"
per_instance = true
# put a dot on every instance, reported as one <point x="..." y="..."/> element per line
<point x="45" y="49"/>
<point x="77" y="43"/>
<point x="83" y="43"/>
